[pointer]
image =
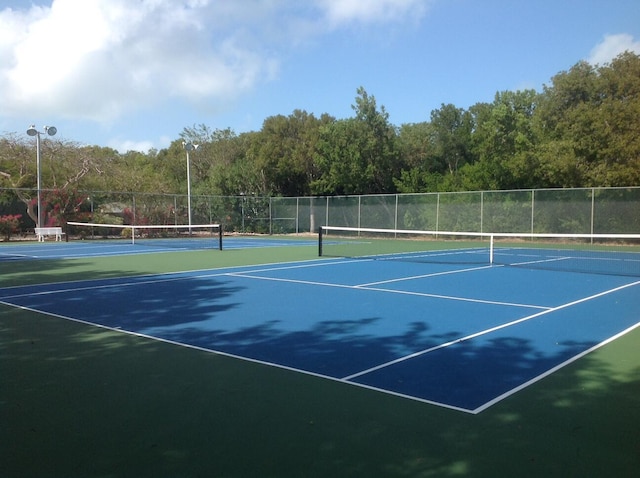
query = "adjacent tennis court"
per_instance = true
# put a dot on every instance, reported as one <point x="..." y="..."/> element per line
<point x="460" y="333"/>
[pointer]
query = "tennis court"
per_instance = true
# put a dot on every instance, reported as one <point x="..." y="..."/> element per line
<point x="458" y="334"/>
<point x="97" y="248"/>
<point x="264" y="359"/>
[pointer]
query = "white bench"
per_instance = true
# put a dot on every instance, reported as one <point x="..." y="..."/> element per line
<point x="42" y="232"/>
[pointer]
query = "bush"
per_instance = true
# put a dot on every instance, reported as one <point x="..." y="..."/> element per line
<point x="9" y="224"/>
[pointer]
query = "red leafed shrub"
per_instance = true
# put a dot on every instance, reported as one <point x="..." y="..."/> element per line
<point x="9" y="224"/>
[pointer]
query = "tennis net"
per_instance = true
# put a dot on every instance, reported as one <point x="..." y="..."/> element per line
<point x="613" y="254"/>
<point x="187" y="237"/>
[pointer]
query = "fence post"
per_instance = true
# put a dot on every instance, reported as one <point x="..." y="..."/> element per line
<point x="593" y="205"/>
<point x="533" y="208"/>
<point x="395" y="219"/>
<point x="437" y="211"/>
<point x="481" y="211"/>
<point x="326" y="221"/>
<point x="270" y="217"/>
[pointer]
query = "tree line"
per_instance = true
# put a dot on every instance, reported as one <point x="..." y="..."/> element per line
<point x="581" y="130"/>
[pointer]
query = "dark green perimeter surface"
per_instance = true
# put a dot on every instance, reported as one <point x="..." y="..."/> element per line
<point x="79" y="401"/>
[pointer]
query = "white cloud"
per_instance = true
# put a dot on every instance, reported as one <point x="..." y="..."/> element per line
<point x="103" y="60"/>
<point x="612" y="46"/>
<point x="98" y="59"/>
<point x="124" y="146"/>
<point x="144" y="146"/>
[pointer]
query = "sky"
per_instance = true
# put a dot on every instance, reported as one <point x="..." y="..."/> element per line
<point x="132" y="74"/>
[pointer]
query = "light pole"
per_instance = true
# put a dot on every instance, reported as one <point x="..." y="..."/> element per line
<point x="32" y="131"/>
<point x="189" y="146"/>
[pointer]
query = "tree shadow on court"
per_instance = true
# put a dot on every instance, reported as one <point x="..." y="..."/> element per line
<point x="467" y="374"/>
<point x="335" y="348"/>
<point x="139" y="305"/>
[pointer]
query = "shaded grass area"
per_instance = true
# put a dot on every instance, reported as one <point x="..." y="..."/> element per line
<point x="80" y="401"/>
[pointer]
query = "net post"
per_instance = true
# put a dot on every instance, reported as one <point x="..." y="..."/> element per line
<point x="491" y="249"/>
<point x="219" y="237"/>
<point x="320" y="241"/>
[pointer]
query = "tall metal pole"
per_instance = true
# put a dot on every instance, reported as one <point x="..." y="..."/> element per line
<point x="188" y="146"/>
<point x="189" y="188"/>
<point x="32" y="131"/>
<point x="39" y="183"/>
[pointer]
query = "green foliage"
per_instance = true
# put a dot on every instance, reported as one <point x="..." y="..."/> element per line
<point x="284" y="152"/>
<point x="358" y="155"/>
<point x="589" y="119"/>
<point x="581" y="130"/>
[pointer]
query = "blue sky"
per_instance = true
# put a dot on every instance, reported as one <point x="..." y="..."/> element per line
<point x="132" y="74"/>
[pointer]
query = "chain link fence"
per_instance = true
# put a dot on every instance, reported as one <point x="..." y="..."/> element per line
<point x="561" y="211"/>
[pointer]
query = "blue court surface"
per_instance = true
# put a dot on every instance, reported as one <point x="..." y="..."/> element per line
<point x="462" y="337"/>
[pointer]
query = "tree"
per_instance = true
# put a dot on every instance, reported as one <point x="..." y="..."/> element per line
<point x="358" y="155"/>
<point x="422" y="168"/>
<point x="232" y="171"/>
<point x="134" y="171"/>
<point x="451" y="137"/>
<point x="588" y="122"/>
<point x="504" y="142"/>
<point x="284" y="150"/>
<point x="615" y="126"/>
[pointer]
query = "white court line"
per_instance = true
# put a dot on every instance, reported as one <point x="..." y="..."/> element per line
<point x="540" y="261"/>
<point x="390" y="291"/>
<point x="297" y="265"/>
<point x="602" y="255"/>
<point x="434" y="274"/>
<point x="21" y="256"/>
<point x="485" y="332"/>
<point x="515" y="390"/>
<point x="164" y="277"/>
<point x="462" y="299"/>
<point x="176" y="276"/>
<point x="78" y="254"/>
<point x="94" y="287"/>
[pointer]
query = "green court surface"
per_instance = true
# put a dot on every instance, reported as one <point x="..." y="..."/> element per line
<point x="82" y="401"/>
